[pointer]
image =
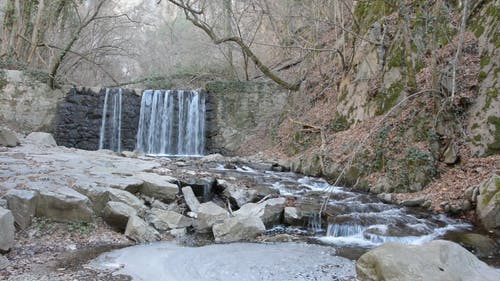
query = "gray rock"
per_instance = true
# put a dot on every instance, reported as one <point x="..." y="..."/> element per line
<point x="468" y="193"/>
<point x="63" y="204"/>
<point x="22" y="203"/>
<point x="414" y="202"/>
<point x="178" y="232"/>
<point x="164" y="220"/>
<point x="129" y="154"/>
<point x="98" y="195"/>
<point x="238" y="229"/>
<point x="208" y="214"/>
<point x="238" y="195"/>
<point x="269" y="211"/>
<point x="117" y="214"/>
<point x="450" y="155"/>
<point x="4" y="262"/>
<point x="437" y="260"/>
<point x="213" y="158"/>
<point x="293" y="216"/>
<point x="41" y="139"/>
<point x="482" y="246"/>
<point x="7" y="230"/>
<point x="159" y="187"/>
<point x="8" y="138"/>
<point x="3" y="203"/>
<point x="488" y="204"/>
<point x="190" y="199"/>
<point x="124" y="197"/>
<point x="138" y="230"/>
<point x="385" y="197"/>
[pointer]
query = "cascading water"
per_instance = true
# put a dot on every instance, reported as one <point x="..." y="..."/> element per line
<point x="110" y="133"/>
<point x="172" y="123"/>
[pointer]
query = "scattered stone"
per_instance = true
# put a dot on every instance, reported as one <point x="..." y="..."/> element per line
<point x="190" y="199"/>
<point x="159" y="187"/>
<point x="386" y="198"/>
<point x="414" y="202"/>
<point x="41" y="139"/>
<point x="117" y="214"/>
<point x="178" y="232"/>
<point x="208" y="214"/>
<point x="238" y="229"/>
<point x="437" y="260"/>
<point x="164" y="220"/>
<point x="63" y="204"/>
<point x="139" y="231"/>
<point x="8" y="138"/>
<point x="269" y="211"/>
<point x="466" y="205"/>
<point x="292" y="216"/>
<point x="7" y="230"/>
<point x="488" y="204"/>
<point x="482" y="246"/>
<point x="3" y="203"/>
<point x="239" y="196"/>
<point x="4" y="262"/>
<point x="468" y="193"/>
<point x="450" y="155"/>
<point x="123" y="196"/>
<point x="129" y="154"/>
<point x="22" y="203"/>
<point x="427" y="204"/>
<point x="160" y="205"/>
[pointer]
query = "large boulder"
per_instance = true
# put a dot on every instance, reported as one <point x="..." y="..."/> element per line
<point x="435" y="261"/>
<point x="238" y="195"/>
<point x="159" y="187"/>
<point x="41" y="139"/>
<point x="117" y="214"/>
<point x="237" y="229"/>
<point x="269" y="211"/>
<point x="190" y="199"/>
<point x="7" y="230"/>
<point x="98" y="195"/>
<point x="123" y="196"/>
<point x="138" y="230"/>
<point x="22" y="203"/>
<point x="8" y="138"/>
<point x="164" y="220"/>
<point x="208" y="214"/>
<point x="63" y="204"/>
<point x="488" y="204"/>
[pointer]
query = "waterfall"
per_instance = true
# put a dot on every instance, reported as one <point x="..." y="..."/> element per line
<point x="110" y="136"/>
<point x="172" y="123"/>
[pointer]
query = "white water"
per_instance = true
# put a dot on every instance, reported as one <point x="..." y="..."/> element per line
<point x="110" y="136"/>
<point x="172" y="123"/>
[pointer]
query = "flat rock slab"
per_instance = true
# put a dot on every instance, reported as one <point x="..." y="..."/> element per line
<point x="237" y="261"/>
<point x="159" y="187"/>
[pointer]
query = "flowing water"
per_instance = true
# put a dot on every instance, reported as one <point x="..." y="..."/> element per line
<point x="172" y="123"/>
<point x="110" y="133"/>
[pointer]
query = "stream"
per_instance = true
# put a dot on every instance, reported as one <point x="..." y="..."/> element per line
<point x="352" y="224"/>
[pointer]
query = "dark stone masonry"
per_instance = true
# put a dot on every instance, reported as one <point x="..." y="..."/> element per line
<point x="79" y="116"/>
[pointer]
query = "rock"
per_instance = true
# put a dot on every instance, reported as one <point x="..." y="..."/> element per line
<point x="466" y="205"/>
<point x="383" y="184"/>
<point x="468" y="193"/>
<point x="8" y="138"/>
<point x="208" y="214"/>
<point x="239" y="196"/>
<point x="269" y="211"/>
<point x="178" y="232"/>
<point x="201" y="187"/>
<point x="123" y="196"/>
<point x="63" y="204"/>
<point x="414" y="202"/>
<point x="190" y="199"/>
<point x="159" y="187"/>
<point x="4" y="262"/>
<point x="488" y="204"/>
<point x="213" y="158"/>
<point x="385" y="197"/>
<point x="3" y="203"/>
<point x="482" y="246"/>
<point x="117" y="214"/>
<point x="437" y="260"/>
<point x="450" y="155"/>
<point x="7" y="230"/>
<point x="129" y="154"/>
<point x="237" y="229"/>
<point x="41" y="139"/>
<point x="22" y="203"/>
<point x="98" y="195"/>
<point x="165" y="220"/>
<point x="292" y="216"/>
<point x="138" y="230"/>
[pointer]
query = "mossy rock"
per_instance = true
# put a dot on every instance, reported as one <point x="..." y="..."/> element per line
<point x="488" y="204"/>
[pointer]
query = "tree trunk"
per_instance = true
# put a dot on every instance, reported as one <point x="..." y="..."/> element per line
<point x="36" y="28"/>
